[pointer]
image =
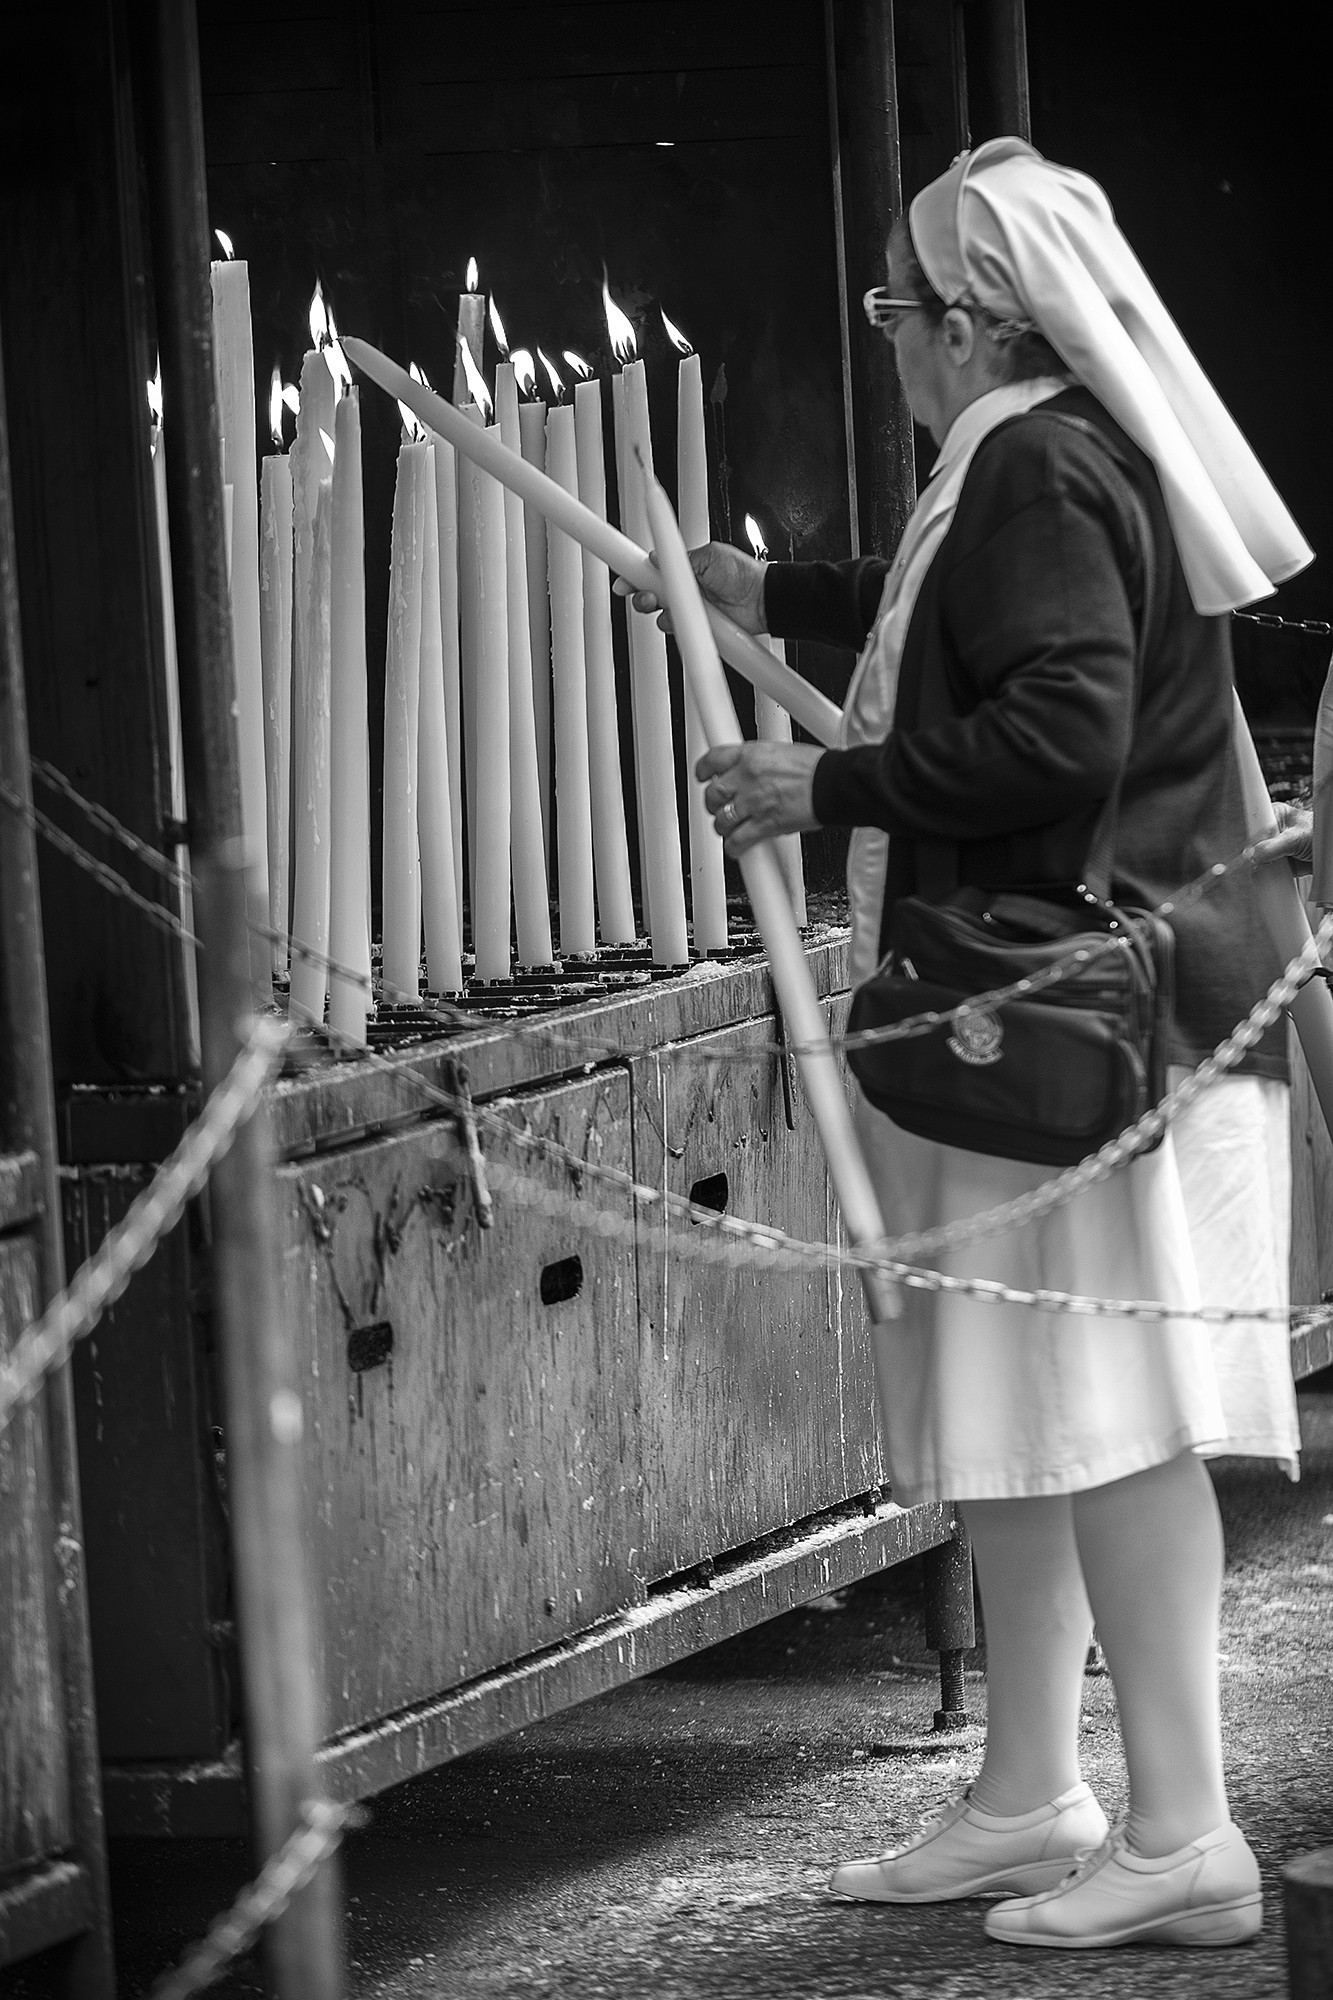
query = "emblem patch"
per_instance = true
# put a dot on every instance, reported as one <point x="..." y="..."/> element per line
<point x="976" y="1038"/>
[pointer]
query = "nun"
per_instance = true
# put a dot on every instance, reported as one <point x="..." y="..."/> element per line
<point x="1024" y="589"/>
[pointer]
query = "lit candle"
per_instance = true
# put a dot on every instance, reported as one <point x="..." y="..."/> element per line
<point x="532" y="909"/>
<point x="275" y="639"/>
<point x="814" y="711"/>
<point x="309" y="466"/>
<point x="233" y="349"/>
<point x="654" y="744"/>
<point x="532" y="430"/>
<point x="615" y="901"/>
<point x="446" y="515"/>
<point x="578" y="934"/>
<point x="349" y="774"/>
<point x="471" y="332"/>
<point x="622" y="487"/>
<point x="773" y="725"/>
<point x="310" y="900"/>
<point x="402" y="680"/>
<point x="487" y="743"/>
<point x="708" y="894"/>
<point x="435" y="819"/>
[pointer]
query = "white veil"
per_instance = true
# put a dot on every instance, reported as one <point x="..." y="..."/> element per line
<point x="1033" y="241"/>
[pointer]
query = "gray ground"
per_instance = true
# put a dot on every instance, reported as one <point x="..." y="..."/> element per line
<point x="672" y="1838"/>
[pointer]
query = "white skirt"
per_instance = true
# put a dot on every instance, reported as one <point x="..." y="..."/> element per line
<point x="1001" y="1402"/>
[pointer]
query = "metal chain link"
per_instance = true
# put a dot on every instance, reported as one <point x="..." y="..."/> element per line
<point x="125" y="1249"/>
<point x="283" y="1876"/>
<point x="115" y="884"/>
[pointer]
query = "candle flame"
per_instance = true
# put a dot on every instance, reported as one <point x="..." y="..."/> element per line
<point x="225" y="241"/>
<point x="328" y="443"/>
<point x="472" y="274"/>
<point x="319" y="318"/>
<point x="275" y="406"/>
<point x="756" y="534"/>
<point x="675" y="336"/>
<point x="155" y="395"/>
<point x="525" y="373"/>
<point x="578" y="364"/>
<point x="291" y="396"/>
<point x="338" y="366"/>
<point x="498" y="329"/>
<point x="623" y="343"/>
<point x="476" y="382"/>
<point x="557" y="386"/>
<point x="418" y="374"/>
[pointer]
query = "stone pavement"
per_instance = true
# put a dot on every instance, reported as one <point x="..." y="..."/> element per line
<point x="672" y="1838"/>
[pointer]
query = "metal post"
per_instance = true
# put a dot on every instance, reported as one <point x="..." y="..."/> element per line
<point x="28" y="1119"/>
<point x="946" y="1572"/>
<point x="263" y="1406"/>
<point x="871" y="184"/>
<point x="997" y="70"/>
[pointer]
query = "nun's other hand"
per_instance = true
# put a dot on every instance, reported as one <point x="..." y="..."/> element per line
<point x="734" y="582"/>
<point x="756" y="791"/>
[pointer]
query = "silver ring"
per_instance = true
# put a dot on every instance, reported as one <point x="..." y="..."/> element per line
<point x="729" y="813"/>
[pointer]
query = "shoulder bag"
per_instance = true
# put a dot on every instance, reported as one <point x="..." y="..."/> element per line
<point x="1051" y="1074"/>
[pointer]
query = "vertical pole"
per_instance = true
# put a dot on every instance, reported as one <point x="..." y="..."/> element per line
<point x="28" y="1119"/>
<point x="840" y="255"/>
<point x="946" y="1573"/>
<point x="872" y="188"/>
<point x="263" y="1406"/>
<point x="997" y="70"/>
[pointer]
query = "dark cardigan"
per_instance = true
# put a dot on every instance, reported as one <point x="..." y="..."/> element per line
<point x="1029" y="613"/>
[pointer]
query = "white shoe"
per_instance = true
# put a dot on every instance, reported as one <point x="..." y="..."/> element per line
<point x="1204" y="1894"/>
<point x="962" y="1851"/>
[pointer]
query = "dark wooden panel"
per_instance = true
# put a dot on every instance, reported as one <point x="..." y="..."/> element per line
<point x="34" y="1765"/>
<point x="1311" y="1188"/>
<point x="153" y="1493"/>
<point x="279" y="125"/>
<point x="759" y="1397"/>
<point x="601" y="37"/>
<point x="689" y="107"/>
<point x="43" y="1908"/>
<point x="473" y="1453"/>
<point x="72" y="306"/>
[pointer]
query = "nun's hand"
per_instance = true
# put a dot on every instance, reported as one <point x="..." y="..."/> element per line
<point x="732" y="581"/>
<point x="756" y="791"/>
<point x="1294" y="838"/>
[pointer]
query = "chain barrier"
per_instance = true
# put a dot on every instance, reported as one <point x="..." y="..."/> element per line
<point x="1026" y="1209"/>
<point x="115" y="884"/>
<point x="447" y="1016"/>
<point x="283" y="1876"/>
<point x="100" y="1282"/>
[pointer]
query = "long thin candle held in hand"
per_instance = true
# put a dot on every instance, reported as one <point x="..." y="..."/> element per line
<point x="767" y="890"/>
<point x="804" y="703"/>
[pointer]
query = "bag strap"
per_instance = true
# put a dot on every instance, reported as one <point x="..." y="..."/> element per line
<point x="937" y="868"/>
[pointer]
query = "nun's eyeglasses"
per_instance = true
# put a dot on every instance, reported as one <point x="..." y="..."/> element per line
<point x="882" y="310"/>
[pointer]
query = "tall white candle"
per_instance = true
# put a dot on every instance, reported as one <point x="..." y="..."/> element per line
<point x="233" y="345"/>
<point x="349" y="779"/>
<point x="708" y="895"/>
<point x="656" y="747"/>
<point x="532" y="427"/>
<point x="578" y="935"/>
<point x="275" y="633"/>
<point x="435" y="820"/>
<point x="401" y="896"/>
<point x="310" y="902"/>
<point x="469" y="621"/>
<point x="489" y="776"/>
<point x="636" y="727"/>
<point x="310" y="466"/>
<point x="532" y="911"/>
<point x="615" y="901"/>
<point x="446" y="514"/>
